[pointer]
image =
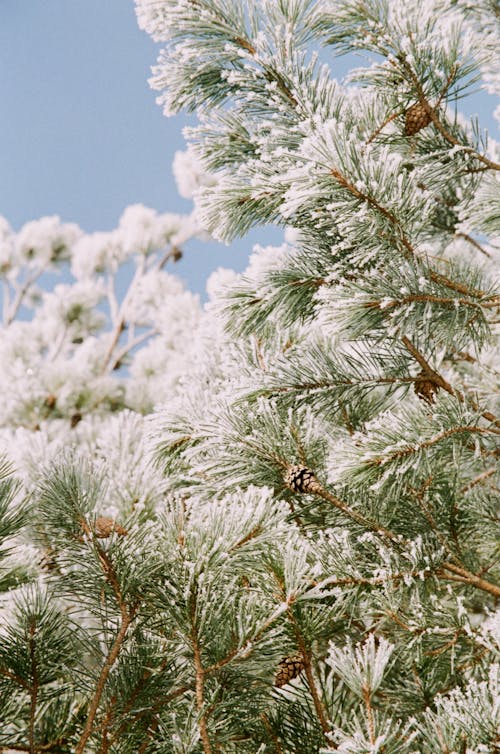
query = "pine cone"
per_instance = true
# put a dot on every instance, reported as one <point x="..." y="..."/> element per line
<point x="75" y="419"/>
<point x="425" y="388"/>
<point x="301" y="479"/>
<point x="416" y="118"/>
<point x="104" y="527"/>
<point x="50" y="401"/>
<point x="289" y="668"/>
<point x="48" y="560"/>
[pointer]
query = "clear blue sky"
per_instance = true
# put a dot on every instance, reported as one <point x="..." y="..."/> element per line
<point x="81" y="134"/>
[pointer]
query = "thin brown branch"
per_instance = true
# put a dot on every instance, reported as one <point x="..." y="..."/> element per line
<point x="384" y="124"/>
<point x="158" y="705"/>
<point x="439" y="650"/>
<point x="101" y="682"/>
<point x="119" y="324"/>
<point x="115" y="362"/>
<point x="306" y="659"/>
<point x="472" y="579"/>
<point x="173" y="253"/>
<point x="250" y="644"/>
<point x="439" y="437"/>
<point x="421" y="298"/>
<point x="426" y="367"/>
<point x="105" y="727"/>
<point x="327" y="384"/>
<point x="15" y="678"/>
<point x="479" y="479"/>
<point x="367" y="699"/>
<point x="270" y="74"/>
<point x="419" y="497"/>
<point x="21" y="293"/>
<point x="247" y="538"/>
<point x="432" y="112"/>
<point x="441" y="382"/>
<point x="357" y="517"/>
<point x="367" y="581"/>
<point x="473" y="242"/>
<point x="127" y="614"/>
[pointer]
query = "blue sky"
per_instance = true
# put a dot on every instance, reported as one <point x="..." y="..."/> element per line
<point x="81" y="134"/>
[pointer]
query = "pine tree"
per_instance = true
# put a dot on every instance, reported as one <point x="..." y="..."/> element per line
<point x="321" y="571"/>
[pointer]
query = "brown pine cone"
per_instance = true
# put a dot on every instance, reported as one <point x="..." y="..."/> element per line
<point x="416" y="118"/>
<point x="48" y="560"/>
<point x="288" y="668"/>
<point x="75" y="419"/>
<point x="425" y="388"/>
<point x="104" y="527"/>
<point x="50" y="401"/>
<point x="301" y="479"/>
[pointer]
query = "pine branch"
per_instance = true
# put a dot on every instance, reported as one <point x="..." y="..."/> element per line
<point x="401" y="237"/>
<point x="34" y="685"/>
<point x="437" y="121"/>
<point x="437" y="379"/>
<point x="200" y="681"/>
<point x="367" y="699"/>
<point x="306" y="658"/>
<point x="103" y="677"/>
<point x="127" y="613"/>
<point x="315" y="488"/>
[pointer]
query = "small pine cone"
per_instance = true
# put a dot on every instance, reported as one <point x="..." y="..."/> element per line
<point x="289" y="668"/>
<point x="50" y="401"/>
<point x="48" y="560"/>
<point x="104" y="527"/>
<point x="75" y="419"/>
<point x="425" y="388"/>
<point x="301" y="479"/>
<point x="416" y="118"/>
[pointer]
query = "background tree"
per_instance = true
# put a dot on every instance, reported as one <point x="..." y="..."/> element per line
<point x="320" y="569"/>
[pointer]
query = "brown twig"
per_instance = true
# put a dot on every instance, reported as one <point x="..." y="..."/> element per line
<point x="472" y="579"/>
<point x="421" y="298"/>
<point x="15" y="678"/>
<point x="103" y="677"/>
<point x="367" y="699"/>
<point x="271" y="733"/>
<point x="127" y="614"/>
<point x="479" y="479"/>
<point x="473" y="242"/>
<point x="439" y="437"/>
<point x="306" y="659"/>
<point x="441" y="382"/>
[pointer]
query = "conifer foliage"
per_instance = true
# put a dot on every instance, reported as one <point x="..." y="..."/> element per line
<point x="320" y="571"/>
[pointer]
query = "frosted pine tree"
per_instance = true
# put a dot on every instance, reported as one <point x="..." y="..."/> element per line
<point x="95" y="332"/>
<point x="357" y="379"/>
<point x="319" y="571"/>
